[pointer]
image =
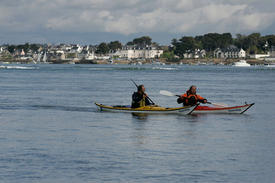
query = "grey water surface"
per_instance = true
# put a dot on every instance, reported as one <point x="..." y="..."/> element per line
<point x="51" y="131"/>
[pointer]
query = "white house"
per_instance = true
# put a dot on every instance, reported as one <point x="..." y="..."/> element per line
<point x="230" y="52"/>
<point x="218" y="53"/>
<point x="22" y="53"/>
<point x="90" y="55"/>
<point x="199" y="53"/>
<point x="134" y="52"/>
<point x="76" y="49"/>
<point x="188" y="55"/>
<point x="242" y="53"/>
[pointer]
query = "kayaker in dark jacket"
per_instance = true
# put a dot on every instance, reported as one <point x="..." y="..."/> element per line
<point x="140" y="98"/>
<point x="191" y="97"/>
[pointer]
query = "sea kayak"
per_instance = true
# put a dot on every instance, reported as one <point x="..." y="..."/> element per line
<point x="223" y="110"/>
<point x="147" y="109"/>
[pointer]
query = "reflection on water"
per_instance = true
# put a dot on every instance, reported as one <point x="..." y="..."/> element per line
<point x="139" y="121"/>
<point x="140" y="116"/>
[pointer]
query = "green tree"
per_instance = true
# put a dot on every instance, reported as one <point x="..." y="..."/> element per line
<point x="253" y="49"/>
<point x="183" y="45"/>
<point x="225" y="40"/>
<point x="252" y="41"/>
<point x="270" y="39"/>
<point x="144" y="40"/>
<point x="198" y="40"/>
<point x="239" y="41"/>
<point x="34" y="47"/>
<point x="114" y="45"/>
<point x="24" y="47"/>
<point x="11" y="48"/>
<point x="211" y="41"/>
<point x="130" y="43"/>
<point x="169" y="55"/>
<point x="102" y="48"/>
<point x="187" y="44"/>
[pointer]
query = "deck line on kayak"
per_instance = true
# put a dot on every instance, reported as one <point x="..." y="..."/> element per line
<point x="248" y="108"/>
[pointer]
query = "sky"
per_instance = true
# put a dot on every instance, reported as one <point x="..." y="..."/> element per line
<point x="96" y="21"/>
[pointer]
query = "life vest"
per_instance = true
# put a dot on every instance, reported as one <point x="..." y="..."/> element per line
<point x="195" y="98"/>
<point x="142" y="103"/>
<point x="138" y="100"/>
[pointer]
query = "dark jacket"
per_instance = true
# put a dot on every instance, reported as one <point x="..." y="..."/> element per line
<point x="137" y="99"/>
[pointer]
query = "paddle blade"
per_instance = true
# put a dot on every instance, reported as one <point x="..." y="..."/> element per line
<point x="166" y="93"/>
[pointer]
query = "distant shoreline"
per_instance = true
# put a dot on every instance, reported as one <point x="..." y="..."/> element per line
<point x="205" y="61"/>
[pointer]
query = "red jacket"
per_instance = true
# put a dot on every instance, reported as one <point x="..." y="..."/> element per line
<point x="190" y="99"/>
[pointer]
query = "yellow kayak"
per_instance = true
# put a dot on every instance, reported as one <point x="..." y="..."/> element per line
<point x="147" y="109"/>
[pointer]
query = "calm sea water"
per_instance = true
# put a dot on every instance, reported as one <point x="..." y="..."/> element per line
<point x="51" y="130"/>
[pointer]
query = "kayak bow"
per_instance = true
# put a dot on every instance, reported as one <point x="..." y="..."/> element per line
<point x="147" y="109"/>
<point x="222" y="110"/>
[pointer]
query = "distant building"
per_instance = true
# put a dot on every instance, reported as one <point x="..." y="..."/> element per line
<point x="218" y="53"/>
<point x="4" y="52"/>
<point x="229" y="52"/>
<point x="197" y="53"/>
<point x="90" y="55"/>
<point x="22" y="53"/>
<point x="269" y="55"/>
<point x="188" y="54"/>
<point x="135" y="52"/>
<point x="62" y="56"/>
<point x="76" y="49"/>
<point x="259" y="56"/>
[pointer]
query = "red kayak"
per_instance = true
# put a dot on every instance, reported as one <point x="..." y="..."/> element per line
<point x="222" y="110"/>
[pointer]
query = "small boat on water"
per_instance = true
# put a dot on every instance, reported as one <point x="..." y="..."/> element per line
<point x="147" y="109"/>
<point x="242" y="63"/>
<point x="214" y="107"/>
<point x="196" y="109"/>
<point x="222" y="110"/>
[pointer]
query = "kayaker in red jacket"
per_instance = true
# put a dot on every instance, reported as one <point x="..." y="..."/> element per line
<point x="191" y="97"/>
<point x="140" y="98"/>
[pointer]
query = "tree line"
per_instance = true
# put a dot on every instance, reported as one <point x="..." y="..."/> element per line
<point x="252" y="43"/>
<point x="26" y="47"/>
<point x="104" y="48"/>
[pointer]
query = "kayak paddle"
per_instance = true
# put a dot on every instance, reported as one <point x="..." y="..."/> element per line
<point x="170" y="94"/>
<point x="167" y="93"/>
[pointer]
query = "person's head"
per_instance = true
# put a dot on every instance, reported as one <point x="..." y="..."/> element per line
<point x="141" y="88"/>
<point x="192" y="89"/>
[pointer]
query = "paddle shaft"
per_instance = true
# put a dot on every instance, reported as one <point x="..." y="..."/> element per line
<point x="146" y="96"/>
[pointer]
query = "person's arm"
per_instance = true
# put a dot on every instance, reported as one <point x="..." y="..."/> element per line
<point x="181" y="99"/>
<point x="201" y="99"/>
<point x="147" y="101"/>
